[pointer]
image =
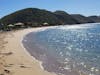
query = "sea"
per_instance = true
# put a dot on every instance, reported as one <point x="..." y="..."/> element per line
<point x="67" y="49"/>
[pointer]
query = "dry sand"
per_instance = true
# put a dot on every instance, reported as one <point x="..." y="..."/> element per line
<point x="14" y="59"/>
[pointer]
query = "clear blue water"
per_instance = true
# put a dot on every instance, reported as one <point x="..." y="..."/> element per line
<point x="68" y="49"/>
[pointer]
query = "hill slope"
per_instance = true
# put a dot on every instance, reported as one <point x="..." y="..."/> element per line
<point x="95" y="18"/>
<point x="32" y="15"/>
<point x="82" y="19"/>
<point x="65" y="18"/>
<point x="37" y="17"/>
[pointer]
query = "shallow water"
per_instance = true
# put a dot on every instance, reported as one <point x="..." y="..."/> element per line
<point x="67" y="50"/>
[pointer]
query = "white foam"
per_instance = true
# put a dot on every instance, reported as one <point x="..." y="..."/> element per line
<point x="92" y="69"/>
<point x="67" y="67"/>
<point x="25" y="40"/>
<point x="91" y="74"/>
<point x="97" y="70"/>
<point x="66" y="59"/>
<point x="82" y="63"/>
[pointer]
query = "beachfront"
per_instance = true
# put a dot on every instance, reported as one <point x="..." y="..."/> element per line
<point x="14" y="59"/>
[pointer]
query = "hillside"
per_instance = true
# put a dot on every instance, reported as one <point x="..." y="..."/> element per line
<point x="34" y="17"/>
<point x="82" y="19"/>
<point x="95" y="18"/>
<point x="65" y="18"/>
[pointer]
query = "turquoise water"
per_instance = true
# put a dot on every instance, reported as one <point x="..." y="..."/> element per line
<point x="67" y="50"/>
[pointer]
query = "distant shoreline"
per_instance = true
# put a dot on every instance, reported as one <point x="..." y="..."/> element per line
<point x="35" y="17"/>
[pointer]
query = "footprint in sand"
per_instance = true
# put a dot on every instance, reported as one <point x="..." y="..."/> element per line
<point x="23" y="66"/>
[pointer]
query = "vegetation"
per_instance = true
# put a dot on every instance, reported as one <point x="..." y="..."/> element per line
<point x="34" y="17"/>
<point x="31" y="15"/>
<point x="95" y="18"/>
<point x="82" y="19"/>
<point x="65" y="18"/>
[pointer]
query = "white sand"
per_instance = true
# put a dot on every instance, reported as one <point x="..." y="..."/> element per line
<point x="20" y="62"/>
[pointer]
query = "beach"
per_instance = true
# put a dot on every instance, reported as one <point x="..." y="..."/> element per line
<point x="14" y="59"/>
<point x="59" y="50"/>
<point x="67" y="50"/>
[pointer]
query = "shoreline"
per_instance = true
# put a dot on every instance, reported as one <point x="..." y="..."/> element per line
<point x="19" y="61"/>
<point x="26" y="51"/>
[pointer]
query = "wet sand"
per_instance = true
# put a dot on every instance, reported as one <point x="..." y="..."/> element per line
<point x="14" y="59"/>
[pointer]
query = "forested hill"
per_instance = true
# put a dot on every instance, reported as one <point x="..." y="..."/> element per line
<point x="32" y="15"/>
<point x="37" y="17"/>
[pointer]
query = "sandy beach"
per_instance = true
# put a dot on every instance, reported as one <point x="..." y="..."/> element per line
<point x="14" y="59"/>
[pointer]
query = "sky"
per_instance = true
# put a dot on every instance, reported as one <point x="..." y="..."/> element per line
<point x="84" y="7"/>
